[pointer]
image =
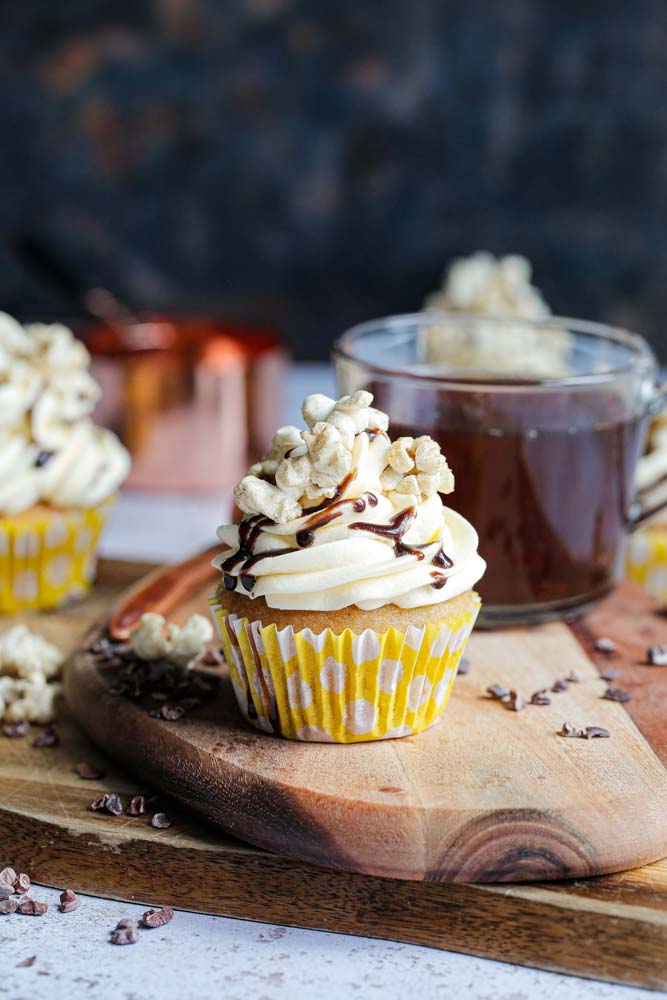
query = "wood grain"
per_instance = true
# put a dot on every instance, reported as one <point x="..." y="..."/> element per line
<point x="487" y="795"/>
<point x="612" y="927"/>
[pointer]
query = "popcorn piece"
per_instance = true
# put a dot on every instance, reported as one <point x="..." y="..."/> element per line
<point x="390" y="478"/>
<point x="154" y="639"/>
<point x="256" y="496"/>
<point x="25" y="654"/>
<point x="33" y="701"/>
<point x="7" y="693"/>
<point x="189" y="641"/>
<point x="417" y="467"/>
<point x="483" y="283"/>
<point x="331" y="459"/>
<point x="293" y="474"/>
<point x="148" y="641"/>
<point x="316" y="408"/>
<point x="286" y="439"/>
<point x="401" y="454"/>
<point x="409" y="484"/>
<point x="27" y="663"/>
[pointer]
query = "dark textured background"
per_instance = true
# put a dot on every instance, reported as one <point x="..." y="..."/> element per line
<point x="314" y="164"/>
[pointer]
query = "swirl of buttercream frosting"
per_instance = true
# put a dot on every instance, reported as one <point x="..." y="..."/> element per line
<point x="380" y="536"/>
<point x="50" y="451"/>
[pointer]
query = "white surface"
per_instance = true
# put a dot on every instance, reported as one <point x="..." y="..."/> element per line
<point x="198" y="956"/>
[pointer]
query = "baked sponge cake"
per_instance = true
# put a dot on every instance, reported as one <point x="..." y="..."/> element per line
<point x="346" y="595"/>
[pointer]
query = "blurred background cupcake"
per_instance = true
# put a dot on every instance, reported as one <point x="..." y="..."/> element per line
<point x="58" y="471"/>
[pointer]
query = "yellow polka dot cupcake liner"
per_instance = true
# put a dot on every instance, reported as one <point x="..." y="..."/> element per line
<point x="48" y="557"/>
<point x="646" y="559"/>
<point x="345" y="688"/>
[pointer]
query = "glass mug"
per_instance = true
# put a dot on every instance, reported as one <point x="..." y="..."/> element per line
<point x="542" y="423"/>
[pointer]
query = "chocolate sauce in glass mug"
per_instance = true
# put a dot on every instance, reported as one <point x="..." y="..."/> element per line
<point x="544" y="468"/>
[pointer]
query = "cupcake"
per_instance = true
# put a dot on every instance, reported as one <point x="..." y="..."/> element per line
<point x="58" y="472"/>
<point x="346" y="594"/>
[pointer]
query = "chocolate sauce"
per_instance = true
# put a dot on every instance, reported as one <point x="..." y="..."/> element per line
<point x="306" y="536"/>
<point x="440" y="559"/>
<point x="439" y="581"/>
<point x="395" y="530"/>
<point x="546" y="479"/>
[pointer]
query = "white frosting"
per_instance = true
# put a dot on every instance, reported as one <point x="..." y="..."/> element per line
<point x="49" y="449"/>
<point x="345" y="564"/>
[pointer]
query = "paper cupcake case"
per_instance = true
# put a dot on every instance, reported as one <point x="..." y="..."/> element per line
<point x="345" y="688"/>
<point x="646" y="559"/>
<point x="48" y="558"/>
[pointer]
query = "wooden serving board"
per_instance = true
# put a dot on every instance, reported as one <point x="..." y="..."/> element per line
<point x="612" y="927"/>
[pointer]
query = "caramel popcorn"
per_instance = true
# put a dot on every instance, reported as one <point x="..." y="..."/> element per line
<point x="257" y="496"/>
<point x="28" y="664"/>
<point x="490" y="285"/>
<point x="416" y="466"/>
<point x="32" y="700"/>
<point x="24" y="654"/>
<point x="153" y="639"/>
<point x="303" y="468"/>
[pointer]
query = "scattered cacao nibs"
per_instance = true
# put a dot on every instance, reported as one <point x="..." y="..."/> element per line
<point x="113" y="804"/>
<point x="560" y="685"/>
<point x="541" y="697"/>
<point x="25" y="963"/>
<point x="596" y="732"/>
<point x="497" y="691"/>
<point x="573" y="677"/>
<point x="22" y="883"/>
<point x="31" y="907"/>
<point x="588" y="733"/>
<point x="124" y="933"/>
<point x="88" y="772"/>
<point x="605" y="645"/>
<point x="16" y="730"/>
<point x="8" y="876"/>
<point x="43" y="457"/>
<point x="171" y="713"/>
<point x="97" y="805"/>
<point x="161" y="821"/>
<point x="69" y="901"/>
<point x="611" y="674"/>
<point x="8" y="906"/>
<point x="157" y="918"/>
<point x="656" y="656"/>
<point x="464" y="665"/>
<point x="514" y="701"/>
<point x="48" y="738"/>
<point x="616" y="694"/>
<point x="137" y="806"/>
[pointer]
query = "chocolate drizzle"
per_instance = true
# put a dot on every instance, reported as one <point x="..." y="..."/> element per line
<point x="440" y="559"/>
<point x="439" y="581"/>
<point x="397" y="527"/>
<point x="306" y="536"/>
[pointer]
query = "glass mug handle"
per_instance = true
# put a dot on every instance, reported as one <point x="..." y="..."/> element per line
<point x="651" y="498"/>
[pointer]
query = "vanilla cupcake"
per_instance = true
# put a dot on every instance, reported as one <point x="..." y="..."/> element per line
<point x="346" y="595"/>
<point x="58" y="472"/>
